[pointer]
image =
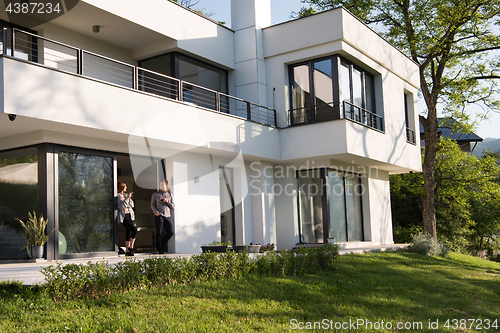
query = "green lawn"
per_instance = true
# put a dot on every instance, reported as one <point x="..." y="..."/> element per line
<point x="392" y="288"/>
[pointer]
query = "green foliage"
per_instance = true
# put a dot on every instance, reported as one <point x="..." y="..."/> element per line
<point x="451" y="41"/>
<point x="268" y="247"/>
<point x="86" y="202"/>
<point x="426" y="245"/>
<point x="96" y="280"/>
<point x="218" y="243"/>
<point x="33" y="230"/>
<point x="466" y="196"/>
<point x="389" y="286"/>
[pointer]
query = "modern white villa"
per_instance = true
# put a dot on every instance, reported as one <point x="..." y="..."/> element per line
<point x="283" y="134"/>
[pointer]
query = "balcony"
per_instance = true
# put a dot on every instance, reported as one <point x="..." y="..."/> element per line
<point x="49" y="53"/>
<point x="332" y="111"/>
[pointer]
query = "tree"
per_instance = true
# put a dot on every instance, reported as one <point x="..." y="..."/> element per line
<point x="467" y="196"/>
<point x="451" y="41"/>
<point x="191" y="3"/>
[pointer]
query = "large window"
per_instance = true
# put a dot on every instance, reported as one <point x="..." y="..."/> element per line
<point x="18" y="197"/>
<point x="85" y="195"/>
<point x="321" y="89"/>
<point x="330" y="206"/>
<point x="188" y="69"/>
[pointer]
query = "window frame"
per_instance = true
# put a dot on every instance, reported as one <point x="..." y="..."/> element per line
<point x="175" y="67"/>
<point x="337" y="62"/>
<point x="325" y="198"/>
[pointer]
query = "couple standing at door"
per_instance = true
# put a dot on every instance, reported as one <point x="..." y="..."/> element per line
<point x="162" y="202"/>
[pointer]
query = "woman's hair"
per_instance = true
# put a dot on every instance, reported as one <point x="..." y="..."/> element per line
<point x="121" y="186"/>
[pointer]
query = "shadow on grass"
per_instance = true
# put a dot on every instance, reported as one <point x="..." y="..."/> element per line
<point x="392" y="286"/>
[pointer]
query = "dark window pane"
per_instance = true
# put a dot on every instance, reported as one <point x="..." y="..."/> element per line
<point x="204" y="75"/>
<point x="18" y="197"/>
<point x="85" y="187"/>
<point x="353" y="202"/>
<point x="161" y="64"/>
<point x="345" y="83"/>
<point x="311" y="207"/>
<point x="323" y="89"/>
<point x="357" y="85"/>
<point x="338" y="229"/>
<point x="301" y="94"/>
<point x="369" y="92"/>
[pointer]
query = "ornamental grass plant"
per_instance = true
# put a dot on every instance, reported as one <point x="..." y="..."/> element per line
<point x="33" y="230"/>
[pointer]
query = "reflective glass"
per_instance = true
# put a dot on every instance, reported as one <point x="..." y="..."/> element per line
<point x="369" y="86"/>
<point x="204" y="75"/>
<point x="301" y="94"/>
<point x="226" y="204"/>
<point x="85" y="188"/>
<point x="357" y="91"/>
<point x="311" y="207"/>
<point x="18" y="197"/>
<point x="323" y="89"/>
<point x="338" y="229"/>
<point x="353" y="202"/>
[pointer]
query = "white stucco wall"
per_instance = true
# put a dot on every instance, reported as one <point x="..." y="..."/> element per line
<point x="64" y="100"/>
<point x="193" y="33"/>
<point x="380" y="216"/>
<point x="338" y="32"/>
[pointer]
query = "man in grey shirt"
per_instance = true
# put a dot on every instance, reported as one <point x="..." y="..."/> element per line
<point x="162" y="202"/>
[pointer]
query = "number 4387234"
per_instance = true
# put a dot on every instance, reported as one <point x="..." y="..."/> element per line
<point x="32" y="8"/>
<point x="477" y="324"/>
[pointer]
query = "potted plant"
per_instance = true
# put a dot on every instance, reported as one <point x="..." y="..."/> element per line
<point x="33" y="231"/>
<point x="217" y="246"/>
<point x="247" y="248"/>
<point x="267" y="248"/>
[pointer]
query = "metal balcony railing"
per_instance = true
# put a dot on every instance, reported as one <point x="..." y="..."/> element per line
<point x="27" y="46"/>
<point x="334" y="111"/>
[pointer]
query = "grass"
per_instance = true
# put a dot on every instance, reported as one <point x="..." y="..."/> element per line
<point x="389" y="287"/>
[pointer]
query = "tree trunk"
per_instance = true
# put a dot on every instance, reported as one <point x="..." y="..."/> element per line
<point x="431" y="138"/>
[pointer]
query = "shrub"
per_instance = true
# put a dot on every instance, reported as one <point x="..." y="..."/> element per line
<point x="95" y="280"/>
<point x="426" y="245"/>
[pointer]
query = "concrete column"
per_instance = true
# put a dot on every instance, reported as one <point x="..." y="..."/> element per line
<point x="248" y="17"/>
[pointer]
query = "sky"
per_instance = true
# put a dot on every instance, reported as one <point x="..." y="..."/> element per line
<point x="280" y="12"/>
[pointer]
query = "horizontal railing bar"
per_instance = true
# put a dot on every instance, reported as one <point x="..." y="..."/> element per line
<point x="197" y="86"/>
<point x="106" y="58"/>
<point x="232" y="97"/>
<point x="49" y="40"/>
<point x="134" y="77"/>
<point x="159" y="74"/>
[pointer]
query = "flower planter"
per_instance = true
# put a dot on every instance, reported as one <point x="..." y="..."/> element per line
<point x="215" y="248"/>
<point x="247" y="248"/>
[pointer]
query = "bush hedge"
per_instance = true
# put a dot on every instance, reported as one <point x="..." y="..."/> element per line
<point x="426" y="245"/>
<point x="94" y="280"/>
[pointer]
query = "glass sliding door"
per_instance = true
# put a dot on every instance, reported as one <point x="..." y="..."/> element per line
<point x="85" y="202"/>
<point x="353" y="191"/>
<point x="330" y="200"/>
<point x="311" y="206"/>
<point x="336" y="206"/>
<point x="18" y="197"/>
